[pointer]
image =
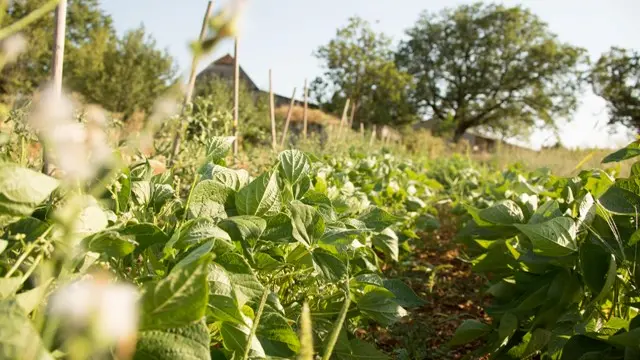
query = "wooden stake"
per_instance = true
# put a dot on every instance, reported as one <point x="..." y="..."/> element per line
<point x="343" y="119"/>
<point x="236" y="96"/>
<point x="57" y="65"/>
<point x="353" y="114"/>
<point x="175" y="147"/>
<point x="373" y="135"/>
<point x="288" y="119"/>
<point x="361" y="129"/>
<point x="272" y="111"/>
<point x="304" y="111"/>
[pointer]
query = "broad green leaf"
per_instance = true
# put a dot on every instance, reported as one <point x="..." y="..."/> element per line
<point x="197" y="253"/>
<point x="380" y="305"/>
<point x="31" y="227"/>
<point x="555" y="237"/>
<point x="539" y="340"/>
<point x="630" y="151"/>
<point x="190" y="342"/>
<point x="579" y="345"/>
<point x="469" y="331"/>
<point x="234" y="179"/>
<point x="357" y="349"/>
<point x="194" y="232"/>
<point x="387" y="242"/>
<point x="293" y="165"/>
<point x="596" y="263"/>
<point x="30" y="299"/>
<point x="208" y="199"/>
<point x="235" y="338"/>
<point x="307" y="224"/>
<point x="276" y="336"/>
<point x="261" y="197"/>
<point x="329" y="266"/>
<point x="405" y="296"/>
<point x="3" y="245"/>
<point x="244" y="227"/>
<point x="110" y="243"/>
<point x="505" y="212"/>
<point x="142" y="192"/>
<point x="218" y="147"/>
<point x="508" y="326"/>
<point x="145" y="234"/>
<point x="634" y="238"/>
<point x="19" y="340"/>
<point x="620" y="201"/>
<point x="629" y="338"/>
<point x="223" y="305"/>
<point x="244" y="281"/>
<point x="22" y="189"/>
<point x="179" y="299"/>
<point x="278" y="229"/>
<point x="9" y="286"/>
<point x="377" y="218"/>
<point x="548" y="210"/>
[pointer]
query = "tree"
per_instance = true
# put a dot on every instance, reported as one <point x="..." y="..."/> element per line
<point x="122" y="74"/>
<point x="85" y="20"/>
<point x="359" y="64"/>
<point x="491" y="67"/>
<point x="135" y="74"/>
<point x="616" y="78"/>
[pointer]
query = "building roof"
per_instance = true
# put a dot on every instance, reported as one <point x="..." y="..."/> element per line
<point x="223" y="68"/>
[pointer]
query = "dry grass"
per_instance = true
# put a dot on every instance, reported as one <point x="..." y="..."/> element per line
<point x="314" y="116"/>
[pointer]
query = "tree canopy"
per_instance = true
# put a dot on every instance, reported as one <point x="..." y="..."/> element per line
<point x="616" y="78"/>
<point x="120" y="73"/>
<point x="359" y="64"/>
<point x="492" y="67"/>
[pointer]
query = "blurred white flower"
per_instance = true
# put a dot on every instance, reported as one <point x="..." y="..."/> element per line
<point x="76" y="149"/>
<point x="109" y="309"/>
<point x="12" y="47"/>
<point x="163" y="109"/>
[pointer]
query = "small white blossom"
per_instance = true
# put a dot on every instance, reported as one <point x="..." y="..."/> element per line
<point x="109" y="309"/>
<point x="13" y="46"/>
<point x="77" y="150"/>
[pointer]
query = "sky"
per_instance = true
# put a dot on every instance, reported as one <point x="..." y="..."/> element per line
<point x="283" y="34"/>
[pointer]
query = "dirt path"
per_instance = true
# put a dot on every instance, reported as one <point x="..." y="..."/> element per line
<point x="453" y="293"/>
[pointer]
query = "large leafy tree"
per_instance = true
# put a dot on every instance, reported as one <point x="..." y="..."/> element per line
<point x="122" y="74"/>
<point x="616" y="78"/>
<point x="359" y="64"/>
<point x="135" y="73"/>
<point x="493" y="67"/>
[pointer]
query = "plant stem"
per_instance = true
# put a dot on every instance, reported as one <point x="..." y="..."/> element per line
<point x="28" y="250"/>
<point x="256" y="320"/>
<point x="25" y="21"/>
<point x="333" y="338"/>
<point x="32" y="268"/>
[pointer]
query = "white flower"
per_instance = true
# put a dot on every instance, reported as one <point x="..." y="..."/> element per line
<point x="13" y="46"/>
<point x="77" y="150"/>
<point x="109" y="309"/>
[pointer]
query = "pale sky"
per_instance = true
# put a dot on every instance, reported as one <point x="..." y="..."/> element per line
<point x="283" y="34"/>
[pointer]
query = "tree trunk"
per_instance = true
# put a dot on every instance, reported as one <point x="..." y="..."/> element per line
<point x="459" y="132"/>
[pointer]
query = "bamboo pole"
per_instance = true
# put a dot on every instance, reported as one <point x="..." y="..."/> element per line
<point x="57" y="65"/>
<point x="373" y="135"/>
<point x="353" y="113"/>
<point x="343" y="119"/>
<point x="236" y="96"/>
<point x="175" y="147"/>
<point x="272" y="113"/>
<point x="304" y="111"/>
<point x="288" y="119"/>
<point x="361" y="129"/>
